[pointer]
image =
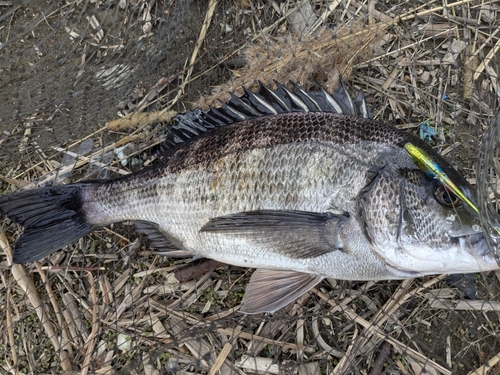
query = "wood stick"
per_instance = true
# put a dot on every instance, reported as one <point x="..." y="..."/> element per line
<point x="95" y="326"/>
<point x="27" y="285"/>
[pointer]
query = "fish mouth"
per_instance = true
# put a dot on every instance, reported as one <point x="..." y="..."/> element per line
<point x="475" y="244"/>
<point x="467" y="253"/>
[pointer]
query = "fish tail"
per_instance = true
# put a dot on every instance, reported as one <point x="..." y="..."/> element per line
<point x="52" y="217"/>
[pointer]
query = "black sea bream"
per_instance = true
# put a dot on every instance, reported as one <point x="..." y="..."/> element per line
<point x="299" y="185"/>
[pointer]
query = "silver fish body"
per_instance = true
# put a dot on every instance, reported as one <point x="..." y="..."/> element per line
<point x="298" y="193"/>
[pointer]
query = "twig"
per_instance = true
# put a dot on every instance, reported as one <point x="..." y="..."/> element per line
<point x="204" y="28"/>
<point x="377" y="321"/>
<point x="321" y="342"/>
<point x="483" y="370"/>
<point x="465" y="305"/>
<point x="140" y="119"/>
<point x="264" y="340"/>
<point x="95" y="326"/>
<point x="72" y="166"/>
<point x="34" y="166"/>
<point x="68" y="268"/>
<point x="260" y="365"/>
<point x="429" y="11"/>
<point x="10" y="328"/>
<point x="321" y="20"/>
<point x="223" y="354"/>
<point x="199" y="347"/>
<point x="374" y="13"/>
<point x="65" y="345"/>
<point x="401" y="347"/>
<point x="486" y="61"/>
<point x="26" y="284"/>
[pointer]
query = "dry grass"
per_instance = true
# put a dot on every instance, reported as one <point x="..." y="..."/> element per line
<point x="120" y="307"/>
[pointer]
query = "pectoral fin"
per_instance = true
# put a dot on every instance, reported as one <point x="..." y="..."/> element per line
<point x="297" y="234"/>
<point x="270" y="290"/>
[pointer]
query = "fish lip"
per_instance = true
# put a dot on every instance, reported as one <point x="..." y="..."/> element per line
<point x="474" y="243"/>
<point x="469" y="253"/>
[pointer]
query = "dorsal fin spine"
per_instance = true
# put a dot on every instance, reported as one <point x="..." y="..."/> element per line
<point x="260" y="103"/>
<point x="284" y="96"/>
<point x="360" y="103"/>
<point x="232" y="112"/>
<point x="273" y="98"/>
<point x="216" y="117"/>
<point x="331" y="100"/>
<point x="266" y="102"/>
<point x="306" y="98"/>
<point x="345" y="100"/>
<point x="299" y="104"/>
<point x="242" y="106"/>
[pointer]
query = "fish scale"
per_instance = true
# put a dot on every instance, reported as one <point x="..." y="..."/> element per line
<point x="290" y="183"/>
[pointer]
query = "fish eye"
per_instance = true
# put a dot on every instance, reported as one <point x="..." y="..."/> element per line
<point x="446" y="198"/>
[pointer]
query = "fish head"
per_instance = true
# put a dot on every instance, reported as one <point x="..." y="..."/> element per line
<point x="418" y="226"/>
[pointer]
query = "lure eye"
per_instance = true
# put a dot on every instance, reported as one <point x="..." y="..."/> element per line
<point x="446" y="198"/>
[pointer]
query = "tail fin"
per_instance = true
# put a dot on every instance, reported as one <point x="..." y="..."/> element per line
<point x="52" y="218"/>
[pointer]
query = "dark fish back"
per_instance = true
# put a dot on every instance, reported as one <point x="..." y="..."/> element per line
<point x="192" y="125"/>
<point x="276" y="117"/>
<point x="285" y="128"/>
<point x="270" y="118"/>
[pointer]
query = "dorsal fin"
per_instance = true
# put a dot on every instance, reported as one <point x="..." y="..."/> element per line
<point x="193" y="124"/>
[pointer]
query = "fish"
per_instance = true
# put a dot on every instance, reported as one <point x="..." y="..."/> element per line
<point x="300" y="185"/>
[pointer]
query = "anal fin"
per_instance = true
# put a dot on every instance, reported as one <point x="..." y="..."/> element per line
<point x="270" y="290"/>
<point x="155" y="238"/>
